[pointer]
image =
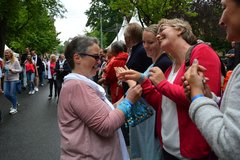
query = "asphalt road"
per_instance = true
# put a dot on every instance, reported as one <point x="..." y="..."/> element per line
<point x="32" y="133"/>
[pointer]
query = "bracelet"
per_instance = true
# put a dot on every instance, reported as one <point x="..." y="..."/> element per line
<point x="128" y="101"/>
<point x="140" y="80"/>
<point x="125" y="106"/>
<point x="197" y="96"/>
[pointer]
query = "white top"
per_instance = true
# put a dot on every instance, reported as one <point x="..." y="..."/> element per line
<point x="170" y="129"/>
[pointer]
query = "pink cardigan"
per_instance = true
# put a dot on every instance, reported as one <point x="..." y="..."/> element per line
<point x="192" y="143"/>
<point x="88" y="126"/>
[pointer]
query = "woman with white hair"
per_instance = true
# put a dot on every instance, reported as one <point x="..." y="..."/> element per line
<point x="12" y="69"/>
<point x="52" y="75"/>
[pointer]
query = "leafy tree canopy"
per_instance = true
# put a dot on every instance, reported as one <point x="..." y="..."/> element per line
<point x="29" y="23"/>
<point x="203" y="15"/>
<point x="111" y="20"/>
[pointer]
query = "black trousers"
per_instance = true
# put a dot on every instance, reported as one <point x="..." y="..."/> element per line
<point x="59" y="85"/>
<point x="51" y="83"/>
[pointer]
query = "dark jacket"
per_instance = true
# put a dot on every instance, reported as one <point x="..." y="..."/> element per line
<point x="163" y="62"/>
<point x="138" y="61"/>
<point x="66" y="69"/>
<point x="39" y="64"/>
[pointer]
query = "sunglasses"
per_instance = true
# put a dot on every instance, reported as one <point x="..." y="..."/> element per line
<point x="95" y="56"/>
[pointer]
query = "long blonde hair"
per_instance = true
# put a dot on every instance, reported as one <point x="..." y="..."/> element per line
<point x="53" y="58"/>
<point x="12" y="58"/>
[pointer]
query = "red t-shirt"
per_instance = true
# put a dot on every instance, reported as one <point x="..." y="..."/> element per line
<point x="29" y="67"/>
<point x="52" y="67"/>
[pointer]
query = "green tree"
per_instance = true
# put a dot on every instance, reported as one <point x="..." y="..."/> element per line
<point x="205" y="24"/>
<point x="152" y="11"/>
<point x="111" y="21"/>
<point x="203" y="16"/>
<point x="25" y="22"/>
<point x="60" y="48"/>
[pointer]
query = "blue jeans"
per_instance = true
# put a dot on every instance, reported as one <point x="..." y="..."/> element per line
<point x="23" y="76"/>
<point x="42" y="77"/>
<point x="10" y="92"/>
<point x="30" y="80"/>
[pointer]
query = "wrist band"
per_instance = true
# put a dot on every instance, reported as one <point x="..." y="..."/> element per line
<point x="197" y="96"/>
<point x="125" y="106"/>
<point x="128" y="101"/>
<point x="140" y="80"/>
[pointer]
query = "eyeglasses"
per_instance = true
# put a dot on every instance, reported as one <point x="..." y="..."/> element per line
<point x="96" y="56"/>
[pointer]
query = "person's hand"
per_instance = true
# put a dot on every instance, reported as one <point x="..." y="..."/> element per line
<point x="156" y="75"/>
<point x="194" y="80"/>
<point x="187" y="88"/>
<point x="131" y="83"/>
<point x="10" y="70"/>
<point x="125" y="74"/>
<point x="101" y="80"/>
<point x="134" y="93"/>
<point x="230" y="55"/>
<point x="207" y="91"/>
<point x="119" y="70"/>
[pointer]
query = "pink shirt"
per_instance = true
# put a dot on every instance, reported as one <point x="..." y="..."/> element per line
<point x="88" y="125"/>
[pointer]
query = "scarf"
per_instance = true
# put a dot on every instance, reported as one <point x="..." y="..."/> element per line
<point x="102" y="94"/>
<point x="61" y="63"/>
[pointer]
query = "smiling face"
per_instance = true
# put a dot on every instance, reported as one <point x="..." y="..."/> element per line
<point x="230" y="19"/>
<point x="167" y="36"/>
<point x="29" y="57"/>
<point x="8" y="55"/>
<point x="87" y="63"/>
<point x="151" y="45"/>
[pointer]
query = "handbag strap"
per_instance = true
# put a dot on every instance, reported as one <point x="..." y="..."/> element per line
<point x="188" y="56"/>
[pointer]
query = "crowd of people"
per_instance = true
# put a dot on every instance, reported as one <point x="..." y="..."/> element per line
<point x="190" y="120"/>
<point x="179" y="78"/>
<point x="28" y="71"/>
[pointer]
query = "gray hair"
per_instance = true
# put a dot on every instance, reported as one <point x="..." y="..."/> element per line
<point x="118" y="46"/>
<point x="79" y="44"/>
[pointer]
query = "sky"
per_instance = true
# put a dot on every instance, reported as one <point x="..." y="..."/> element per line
<point x="75" y="20"/>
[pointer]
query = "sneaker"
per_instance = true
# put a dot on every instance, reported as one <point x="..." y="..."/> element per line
<point x="12" y="106"/>
<point x="36" y="89"/>
<point x="50" y="97"/>
<point x="13" y="111"/>
<point x="33" y="91"/>
<point x="30" y="92"/>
